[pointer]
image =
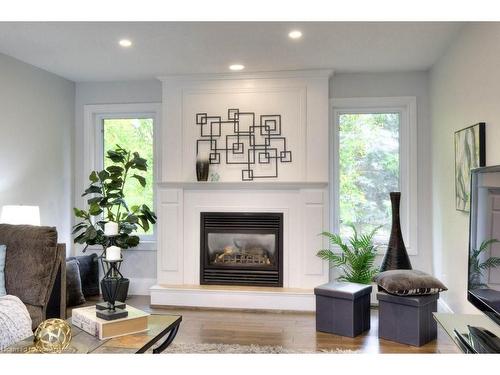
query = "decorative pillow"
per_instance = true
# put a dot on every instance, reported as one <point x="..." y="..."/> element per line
<point x="30" y="262"/>
<point x="3" y="250"/>
<point x="89" y="273"/>
<point x="74" y="295"/>
<point x="409" y="282"/>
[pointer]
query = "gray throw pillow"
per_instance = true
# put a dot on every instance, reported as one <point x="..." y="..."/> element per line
<point x="74" y="295"/>
<point x="89" y="273"/>
<point x="409" y="282"/>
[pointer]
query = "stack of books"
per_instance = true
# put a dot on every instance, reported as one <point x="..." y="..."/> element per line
<point x="85" y="318"/>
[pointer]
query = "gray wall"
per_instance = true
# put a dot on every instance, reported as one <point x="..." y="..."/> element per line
<point x="139" y="265"/>
<point x="402" y="84"/>
<point x="464" y="86"/>
<point x="36" y="134"/>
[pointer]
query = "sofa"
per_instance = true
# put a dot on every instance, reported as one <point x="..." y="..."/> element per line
<point x="35" y="270"/>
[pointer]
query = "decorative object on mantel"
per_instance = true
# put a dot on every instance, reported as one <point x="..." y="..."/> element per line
<point x="202" y="167"/>
<point x="109" y="221"/>
<point x="214" y="176"/>
<point x="356" y="261"/>
<point x="396" y="256"/>
<point x="259" y="144"/>
<point x="470" y="153"/>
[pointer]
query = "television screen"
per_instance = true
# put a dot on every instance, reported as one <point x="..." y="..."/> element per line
<point x="484" y="241"/>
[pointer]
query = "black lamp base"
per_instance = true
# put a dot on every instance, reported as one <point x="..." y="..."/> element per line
<point x="111" y="314"/>
<point x="105" y="305"/>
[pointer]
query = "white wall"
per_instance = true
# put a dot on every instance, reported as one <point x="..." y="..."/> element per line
<point x="353" y="85"/>
<point x="300" y="97"/>
<point x="36" y="132"/>
<point x="464" y="86"/>
<point x="139" y="265"/>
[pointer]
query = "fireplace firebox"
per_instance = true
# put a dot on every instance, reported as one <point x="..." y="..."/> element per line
<point x="241" y="248"/>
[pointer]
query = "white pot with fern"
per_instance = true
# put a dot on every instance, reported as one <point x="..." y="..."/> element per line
<point x="354" y="257"/>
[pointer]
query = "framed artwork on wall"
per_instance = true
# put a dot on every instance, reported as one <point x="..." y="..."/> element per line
<point x="470" y="153"/>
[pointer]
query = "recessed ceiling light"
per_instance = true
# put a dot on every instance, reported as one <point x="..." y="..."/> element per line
<point x="236" y="67"/>
<point x="295" y="34"/>
<point x="125" y="43"/>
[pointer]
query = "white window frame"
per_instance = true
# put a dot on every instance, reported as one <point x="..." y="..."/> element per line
<point x="93" y="157"/>
<point x="406" y="106"/>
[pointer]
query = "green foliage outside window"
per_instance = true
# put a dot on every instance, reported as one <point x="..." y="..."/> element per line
<point x="368" y="171"/>
<point x="137" y="135"/>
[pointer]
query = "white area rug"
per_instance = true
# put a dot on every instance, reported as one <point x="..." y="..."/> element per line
<point x="182" y="348"/>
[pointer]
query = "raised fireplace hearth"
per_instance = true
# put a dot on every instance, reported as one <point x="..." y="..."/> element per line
<point x="241" y="248"/>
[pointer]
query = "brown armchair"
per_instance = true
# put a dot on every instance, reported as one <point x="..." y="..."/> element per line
<point x="35" y="270"/>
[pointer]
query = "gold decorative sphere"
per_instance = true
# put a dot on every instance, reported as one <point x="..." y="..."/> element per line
<point x="52" y="336"/>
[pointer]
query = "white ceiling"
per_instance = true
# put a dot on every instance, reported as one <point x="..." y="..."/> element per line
<point x="84" y="51"/>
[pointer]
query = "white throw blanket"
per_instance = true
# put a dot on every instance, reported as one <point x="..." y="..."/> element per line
<point x="15" y="321"/>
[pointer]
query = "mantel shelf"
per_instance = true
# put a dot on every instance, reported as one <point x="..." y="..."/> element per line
<point x="222" y="185"/>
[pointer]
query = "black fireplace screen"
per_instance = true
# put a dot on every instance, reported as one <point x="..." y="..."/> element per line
<point x="241" y="248"/>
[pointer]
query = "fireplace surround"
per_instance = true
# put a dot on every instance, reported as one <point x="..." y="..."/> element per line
<point x="300" y="192"/>
<point x="241" y="248"/>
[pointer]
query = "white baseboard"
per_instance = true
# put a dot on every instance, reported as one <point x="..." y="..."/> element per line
<point x="443" y="307"/>
<point x="140" y="286"/>
<point x="286" y="300"/>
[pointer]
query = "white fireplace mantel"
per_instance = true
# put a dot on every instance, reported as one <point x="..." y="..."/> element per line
<point x="235" y="185"/>
<point x="300" y="192"/>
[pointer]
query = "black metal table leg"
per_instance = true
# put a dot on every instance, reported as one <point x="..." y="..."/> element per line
<point x="168" y="340"/>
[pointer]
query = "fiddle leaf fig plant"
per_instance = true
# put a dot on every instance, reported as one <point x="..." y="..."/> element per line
<point x="107" y="202"/>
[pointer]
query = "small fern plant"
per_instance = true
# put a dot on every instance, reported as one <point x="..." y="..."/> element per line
<point x="357" y="257"/>
<point x="478" y="267"/>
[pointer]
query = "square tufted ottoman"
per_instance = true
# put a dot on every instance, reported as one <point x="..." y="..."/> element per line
<point x="343" y="308"/>
<point x="407" y="319"/>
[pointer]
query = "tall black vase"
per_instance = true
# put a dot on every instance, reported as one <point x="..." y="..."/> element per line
<point x="396" y="257"/>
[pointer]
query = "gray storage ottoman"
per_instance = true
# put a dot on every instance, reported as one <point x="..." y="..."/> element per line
<point x="407" y="319"/>
<point x="343" y="308"/>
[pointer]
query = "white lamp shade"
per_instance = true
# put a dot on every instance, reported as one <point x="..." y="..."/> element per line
<point x="20" y="215"/>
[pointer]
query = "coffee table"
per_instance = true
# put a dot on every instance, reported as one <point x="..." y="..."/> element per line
<point x="160" y="327"/>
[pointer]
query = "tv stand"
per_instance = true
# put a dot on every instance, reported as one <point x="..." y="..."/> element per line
<point x="470" y="332"/>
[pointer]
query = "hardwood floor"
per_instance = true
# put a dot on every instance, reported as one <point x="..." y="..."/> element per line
<point x="295" y="331"/>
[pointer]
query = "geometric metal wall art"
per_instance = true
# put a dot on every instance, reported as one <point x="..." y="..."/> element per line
<point x="240" y="140"/>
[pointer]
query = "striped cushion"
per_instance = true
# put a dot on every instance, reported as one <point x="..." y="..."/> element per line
<point x="409" y="283"/>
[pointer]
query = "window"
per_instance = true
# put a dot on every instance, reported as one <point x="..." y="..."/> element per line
<point x="372" y="156"/>
<point x="368" y="170"/>
<point x="132" y="126"/>
<point x="136" y="135"/>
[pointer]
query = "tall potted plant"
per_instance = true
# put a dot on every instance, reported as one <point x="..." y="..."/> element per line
<point x="107" y="206"/>
<point x="356" y="258"/>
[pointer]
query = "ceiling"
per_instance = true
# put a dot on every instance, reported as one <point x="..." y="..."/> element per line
<point x="89" y="51"/>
